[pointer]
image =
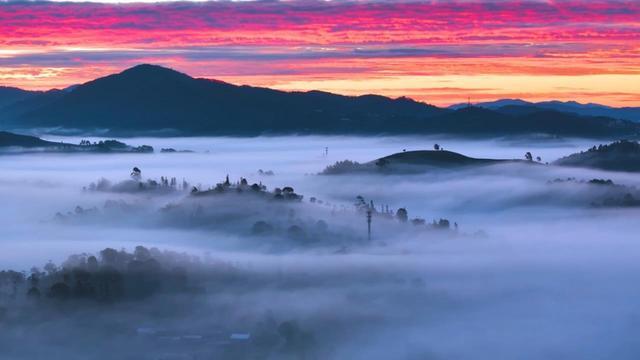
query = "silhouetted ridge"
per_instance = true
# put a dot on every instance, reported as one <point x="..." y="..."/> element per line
<point x="10" y="95"/>
<point x="150" y="98"/>
<point x="8" y="139"/>
<point x="590" y="109"/>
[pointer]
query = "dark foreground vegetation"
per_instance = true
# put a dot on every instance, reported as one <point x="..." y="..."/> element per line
<point x="141" y="301"/>
<point x="153" y="304"/>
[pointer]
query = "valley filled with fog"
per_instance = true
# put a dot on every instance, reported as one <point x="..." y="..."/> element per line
<point x="531" y="265"/>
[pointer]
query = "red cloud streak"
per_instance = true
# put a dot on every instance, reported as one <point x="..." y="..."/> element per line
<point x="319" y="23"/>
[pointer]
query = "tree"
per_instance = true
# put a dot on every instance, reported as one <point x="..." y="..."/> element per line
<point x="141" y="253"/>
<point x="402" y="215"/>
<point x="136" y="174"/>
<point x="261" y="228"/>
<point x="295" y="232"/>
<point x="33" y="293"/>
<point x="361" y="204"/>
<point x="11" y="279"/>
<point x="538" y="159"/>
<point x="34" y="279"/>
<point x="92" y="263"/>
<point x="83" y="287"/>
<point x="109" y="283"/>
<point x="50" y="268"/>
<point x="443" y="224"/>
<point x="60" y="291"/>
<point x="528" y="156"/>
<point x="436" y="147"/>
<point x="109" y="256"/>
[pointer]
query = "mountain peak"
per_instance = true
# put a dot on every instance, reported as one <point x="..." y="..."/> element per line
<point x="150" y="70"/>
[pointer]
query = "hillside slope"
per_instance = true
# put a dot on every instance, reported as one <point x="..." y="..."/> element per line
<point x="149" y="97"/>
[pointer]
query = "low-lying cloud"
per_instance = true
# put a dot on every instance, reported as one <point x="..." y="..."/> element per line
<point x="550" y="276"/>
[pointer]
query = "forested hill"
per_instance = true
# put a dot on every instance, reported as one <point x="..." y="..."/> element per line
<point x="16" y="143"/>
<point x="621" y="155"/>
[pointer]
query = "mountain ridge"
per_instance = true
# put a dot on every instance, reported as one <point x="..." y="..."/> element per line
<point x="584" y="109"/>
<point x="147" y="99"/>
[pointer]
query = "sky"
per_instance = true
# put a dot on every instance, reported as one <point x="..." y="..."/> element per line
<point x="437" y="51"/>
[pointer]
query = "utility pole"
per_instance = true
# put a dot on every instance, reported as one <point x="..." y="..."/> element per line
<point x="369" y="224"/>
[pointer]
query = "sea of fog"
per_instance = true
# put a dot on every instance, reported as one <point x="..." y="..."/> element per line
<point x="551" y="279"/>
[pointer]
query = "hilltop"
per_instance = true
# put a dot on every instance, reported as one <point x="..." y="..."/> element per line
<point x="412" y="161"/>
<point x="153" y="100"/>
<point x="440" y="158"/>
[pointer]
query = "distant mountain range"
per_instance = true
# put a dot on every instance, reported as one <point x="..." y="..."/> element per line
<point x="152" y="100"/>
<point x="514" y="105"/>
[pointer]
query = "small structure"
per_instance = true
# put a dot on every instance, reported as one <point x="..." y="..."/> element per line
<point x="240" y="337"/>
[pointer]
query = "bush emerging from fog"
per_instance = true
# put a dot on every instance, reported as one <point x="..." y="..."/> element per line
<point x="164" y="185"/>
<point x="344" y="167"/>
<point x="604" y="192"/>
